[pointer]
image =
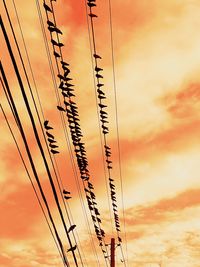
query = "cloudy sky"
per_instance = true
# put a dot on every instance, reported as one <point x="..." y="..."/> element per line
<point x="157" y="71"/>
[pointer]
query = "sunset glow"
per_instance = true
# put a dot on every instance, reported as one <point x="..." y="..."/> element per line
<point x="156" y="47"/>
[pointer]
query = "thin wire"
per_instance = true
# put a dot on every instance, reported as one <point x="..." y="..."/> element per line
<point x="28" y="152"/>
<point x="37" y="138"/>
<point x="102" y="152"/>
<point x="57" y="174"/>
<point x="29" y="176"/>
<point x="55" y="87"/>
<point x="117" y="121"/>
<point x="58" y="68"/>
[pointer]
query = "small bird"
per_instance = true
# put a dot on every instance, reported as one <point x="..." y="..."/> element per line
<point x="97" y="69"/>
<point x="99" y="76"/>
<point x="66" y="192"/>
<point x="67" y="197"/>
<point x="50" y="135"/>
<point x="51" y="141"/>
<point x="54" y="151"/>
<point x="71" y="249"/>
<point x="96" y="56"/>
<point x="46" y="126"/>
<point x="53" y="146"/>
<point x="71" y="228"/>
<point x="60" y="108"/>
<point x="92" y="15"/>
<point x="50" y="23"/>
<point x="54" y="29"/>
<point x="47" y="8"/>
<point x="56" y="54"/>
<point x="91" y="4"/>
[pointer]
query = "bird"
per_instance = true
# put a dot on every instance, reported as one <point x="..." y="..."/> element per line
<point x="51" y="141"/>
<point x="71" y="249"/>
<point x="99" y="76"/>
<point x="96" y="56"/>
<point x="54" y="151"/>
<point x="100" y="84"/>
<point x="46" y="126"/>
<point x="50" y="23"/>
<point x="53" y="146"/>
<point x="54" y="29"/>
<point x="92" y="15"/>
<point x="50" y="135"/>
<point x="102" y="106"/>
<point x="97" y="69"/>
<point x="47" y="8"/>
<point x="64" y="63"/>
<point x="67" y="197"/>
<point x="91" y="4"/>
<point x="60" y="108"/>
<point x="71" y="228"/>
<point x="56" y="54"/>
<point x="66" y="192"/>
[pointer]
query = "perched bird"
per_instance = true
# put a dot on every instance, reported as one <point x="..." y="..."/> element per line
<point x="71" y="228"/>
<point x="56" y="54"/>
<point x="96" y="56"/>
<point x="66" y="192"/>
<point x="46" y="126"/>
<point x="91" y="4"/>
<point x="92" y="15"/>
<point x="60" y="108"/>
<point x="50" y="23"/>
<point x="97" y="69"/>
<point x="71" y="249"/>
<point x="50" y="135"/>
<point x="53" y="146"/>
<point x="51" y="141"/>
<point x="99" y="76"/>
<point x="47" y="8"/>
<point x="67" y="197"/>
<point x="54" y="151"/>
<point x="54" y="29"/>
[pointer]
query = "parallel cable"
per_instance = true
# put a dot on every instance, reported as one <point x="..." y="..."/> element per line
<point x="37" y="137"/>
<point x="29" y="154"/>
<point x="117" y="122"/>
<point x="55" y="86"/>
<point x="81" y="159"/>
<point x="103" y="116"/>
<point x="29" y="176"/>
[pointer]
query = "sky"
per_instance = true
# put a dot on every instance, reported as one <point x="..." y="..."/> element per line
<point x="156" y="47"/>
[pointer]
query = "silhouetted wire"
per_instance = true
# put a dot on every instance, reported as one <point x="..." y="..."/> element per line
<point x="116" y="216"/>
<point x="117" y="123"/>
<point x="57" y="174"/>
<point x="37" y="138"/>
<point x="98" y="82"/>
<point x="54" y="50"/>
<point x="55" y="86"/>
<point x="29" y="176"/>
<point x="101" y="141"/>
<point x="28" y="151"/>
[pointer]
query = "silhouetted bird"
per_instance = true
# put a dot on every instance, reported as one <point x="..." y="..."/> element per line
<point x="54" y="151"/>
<point x="56" y="54"/>
<point x="91" y="4"/>
<point x="54" y="29"/>
<point x="97" y="69"/>
<point x="92" y="15"/>
<point x="96" y="56"/>
<point x="60" y="108"/>
<point x="47" y="8"/>
<point x="51" y="141"/>
<point x="99" y="76"/>
<point x="53" y="146"/>
<point x="50" y="23"/>
<point x="71" y="249"/>
<point x="71" y="228"/>
<point x="49" y="135"/>
<point x="67" y="197"/>
<point x="46" y="126"/>
<point x="66" y="192"/>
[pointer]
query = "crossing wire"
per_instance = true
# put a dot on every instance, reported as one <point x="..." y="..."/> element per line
<point x="37" y="137"/>
<point x="29" y="176"/>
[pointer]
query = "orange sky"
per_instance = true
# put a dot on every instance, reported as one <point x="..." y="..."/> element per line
<point x="157" y="57"/>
